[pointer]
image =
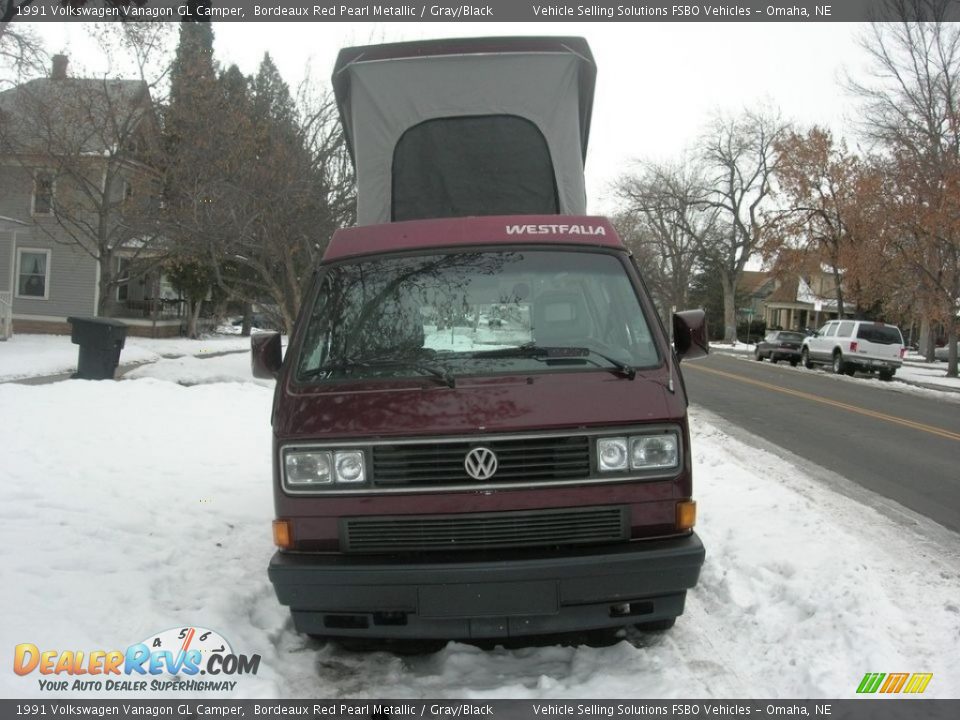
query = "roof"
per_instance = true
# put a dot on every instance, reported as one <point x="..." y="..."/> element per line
<point x="384" y="91"/>
<point x="787" y="292"/>
<point x="463" y="232"/>
<point x="752" y="281"/>
<point x="79" y="115"/>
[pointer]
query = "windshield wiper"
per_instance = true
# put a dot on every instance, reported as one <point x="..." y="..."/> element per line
<point x="547" y="353"/>
<point x="438" y="371"/>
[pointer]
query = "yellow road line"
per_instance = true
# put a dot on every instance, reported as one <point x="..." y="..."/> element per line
<point x="949" y="435"/>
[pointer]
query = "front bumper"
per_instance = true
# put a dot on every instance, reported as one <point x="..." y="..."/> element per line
<point x="340" y="595"/>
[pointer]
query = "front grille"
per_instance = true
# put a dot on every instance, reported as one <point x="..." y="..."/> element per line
<point x="440" y="463"/>
<point x="484" y="531"/>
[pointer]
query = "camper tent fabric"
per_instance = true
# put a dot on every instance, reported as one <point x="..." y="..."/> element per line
<point x="383" y="100"/>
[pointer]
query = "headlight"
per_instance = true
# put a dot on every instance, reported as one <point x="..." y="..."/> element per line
<point x="612" y="454"/>
<point x="322" y="470"/>
<point x="653" y="451"/>
<point x="639" y="452"/>
<point x="349" y="466"/>
<point x="308" y="468"/>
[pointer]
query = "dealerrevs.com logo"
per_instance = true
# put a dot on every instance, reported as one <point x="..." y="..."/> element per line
<point x="171" y="660"/>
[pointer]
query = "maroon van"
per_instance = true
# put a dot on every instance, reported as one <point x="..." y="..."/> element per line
<point x="480" y="427"/>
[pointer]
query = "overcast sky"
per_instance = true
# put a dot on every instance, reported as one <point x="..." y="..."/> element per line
<point x="658" y="84"/>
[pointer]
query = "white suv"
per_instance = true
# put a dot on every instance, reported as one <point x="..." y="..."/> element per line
<point x="851" y="345"/>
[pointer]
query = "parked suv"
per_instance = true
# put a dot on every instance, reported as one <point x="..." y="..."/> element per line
<point x="480" y="426"/>
<point x="851" y="345"/>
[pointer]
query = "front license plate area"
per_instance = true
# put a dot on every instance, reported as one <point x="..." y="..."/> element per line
<point x="465" y="600"/>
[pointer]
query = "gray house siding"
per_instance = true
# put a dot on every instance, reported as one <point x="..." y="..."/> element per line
<point x="6" y="261"/>
<point x="72" y="281"/>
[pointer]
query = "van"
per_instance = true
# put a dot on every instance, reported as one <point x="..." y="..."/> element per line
<point x="480" y="424"/>
<point x="847" y="346"/>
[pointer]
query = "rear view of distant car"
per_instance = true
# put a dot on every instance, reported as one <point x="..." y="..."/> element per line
<point x="780" y="345"/>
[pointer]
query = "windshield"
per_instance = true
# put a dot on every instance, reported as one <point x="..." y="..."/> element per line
<point x="473" y="313"/>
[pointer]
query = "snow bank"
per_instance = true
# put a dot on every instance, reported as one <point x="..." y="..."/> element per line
<point x="127" y="508"/>
<point x="34" y="355"/>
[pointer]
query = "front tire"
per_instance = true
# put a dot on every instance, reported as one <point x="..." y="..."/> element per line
<point x="887" y="375"/>
<point x="805" y="359"/>
<point x="794" y="363"/>
<point x="757" y="355"/>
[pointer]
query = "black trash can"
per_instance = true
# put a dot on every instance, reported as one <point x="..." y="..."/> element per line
<point x="100" y="341"/>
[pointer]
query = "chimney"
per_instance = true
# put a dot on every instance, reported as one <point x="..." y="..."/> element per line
<point x="59" y="70"/>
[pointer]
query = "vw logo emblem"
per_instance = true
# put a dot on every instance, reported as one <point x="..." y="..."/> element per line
<point x="480" y="463"/>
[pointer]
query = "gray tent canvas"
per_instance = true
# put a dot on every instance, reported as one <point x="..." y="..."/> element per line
<point x="452" y="128"/>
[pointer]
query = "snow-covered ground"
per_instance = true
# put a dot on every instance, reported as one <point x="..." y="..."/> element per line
<point x="131" y="507"/>
<point x="34" y="355"/>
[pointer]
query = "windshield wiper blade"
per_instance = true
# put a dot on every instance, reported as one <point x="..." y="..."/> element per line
<point x="547" y="353"/>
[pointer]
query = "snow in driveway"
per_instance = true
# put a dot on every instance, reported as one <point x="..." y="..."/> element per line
<point x="131" y="507"/>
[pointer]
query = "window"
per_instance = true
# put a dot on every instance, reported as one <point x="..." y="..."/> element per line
<point x="43" y="192"/>
<point x="846" y="328"/>
<point x="879" y="333"/>
<point x="486" y="165"/>
<point x="475" y="313"/>
<point x="831" y="330"/>
<point x="33" y="273"/>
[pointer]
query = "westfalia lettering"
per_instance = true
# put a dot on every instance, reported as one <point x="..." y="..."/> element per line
<point x="556" y="230"/>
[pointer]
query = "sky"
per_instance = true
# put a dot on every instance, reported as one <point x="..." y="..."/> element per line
<point x="658" y="84"/>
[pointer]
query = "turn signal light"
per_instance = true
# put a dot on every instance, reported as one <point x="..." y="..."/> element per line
<point x="282" y="534"/>
<point x="686" y="514"/>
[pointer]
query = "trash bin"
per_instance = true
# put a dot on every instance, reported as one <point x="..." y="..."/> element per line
<point x="100" y="341"/>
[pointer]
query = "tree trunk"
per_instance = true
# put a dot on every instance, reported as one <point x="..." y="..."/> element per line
<point x="924" y="344"/>
<point x="105" y="303"/>
<point x="729" y="310"/>
<point x="951" y="345"/>
<point x="247" y="319"/>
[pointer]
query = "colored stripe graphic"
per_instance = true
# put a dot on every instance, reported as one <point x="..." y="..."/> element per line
<point x="918" y="683"/>
<point x="894" y="682"/>
<point x="870" y="682"/>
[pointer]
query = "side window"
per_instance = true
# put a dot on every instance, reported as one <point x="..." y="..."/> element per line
<point x="33" y="273"/>
<point x="771" y="337"/>
<point x="42" y="192"/>
<point x="831" y="330"/>
<point x="845" y="329"/>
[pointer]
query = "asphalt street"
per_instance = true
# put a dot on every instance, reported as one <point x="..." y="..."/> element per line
<point x="904" y="446"/>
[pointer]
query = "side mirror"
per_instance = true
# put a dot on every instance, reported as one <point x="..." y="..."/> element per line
<point x="690" y="334"/>
<point x="266" y="355"/>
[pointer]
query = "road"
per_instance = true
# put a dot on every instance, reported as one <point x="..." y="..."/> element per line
<point x="903" y="446"/>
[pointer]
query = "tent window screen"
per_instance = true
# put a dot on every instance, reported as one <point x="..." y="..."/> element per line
<point x="460" y="166"/>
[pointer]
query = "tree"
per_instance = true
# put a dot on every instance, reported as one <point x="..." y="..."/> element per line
<point x="91" y="141"/>
<point x="740" y="160"/>
<point x="20" y="49"/>
<point x="666" y="225"/>
<point x="912" y="111"/>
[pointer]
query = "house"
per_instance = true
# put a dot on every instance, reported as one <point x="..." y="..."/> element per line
<point x="76" y="187"/>
<point x="804" y="298"/>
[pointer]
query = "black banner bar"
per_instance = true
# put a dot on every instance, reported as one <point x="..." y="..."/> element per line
<point x="480" y="11"/>
<point x="873" y="708"/>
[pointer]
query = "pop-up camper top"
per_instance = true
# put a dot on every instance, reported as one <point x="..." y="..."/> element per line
<point x="453" y="128"/>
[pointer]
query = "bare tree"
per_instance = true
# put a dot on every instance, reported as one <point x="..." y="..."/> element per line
<point x="92" y="143"/>
<point x="912" y="110"/>
<point x="666" y="225"/>
<point x="21" y="51"/>
<point x="740" y="161"/>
